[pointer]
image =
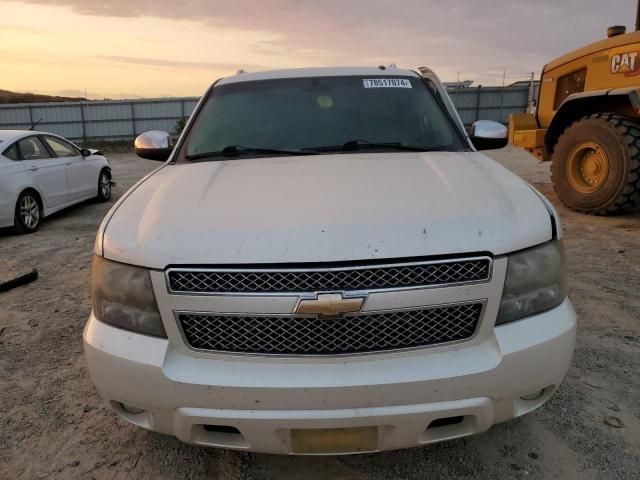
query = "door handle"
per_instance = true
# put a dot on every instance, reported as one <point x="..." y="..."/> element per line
<point x="33" y="169"/>
<point x="68" y="163"/>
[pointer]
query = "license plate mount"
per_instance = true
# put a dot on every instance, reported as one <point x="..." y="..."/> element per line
<point x="327" y="441"/>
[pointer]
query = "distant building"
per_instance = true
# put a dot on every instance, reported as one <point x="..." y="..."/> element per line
<point x="452" y="86"/>
<point x="524" y="83"/>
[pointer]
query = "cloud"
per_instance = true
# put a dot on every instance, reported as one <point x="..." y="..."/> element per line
<point x="20" y="29"/>
<point x="478" y="38"/>
<point x="180" y="64"/>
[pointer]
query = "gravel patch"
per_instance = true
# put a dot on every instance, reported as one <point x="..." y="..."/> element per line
<point x="54" y="425"/>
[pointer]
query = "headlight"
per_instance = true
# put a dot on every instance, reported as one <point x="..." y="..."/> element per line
<point x="123" y="297"/>
<point x="535" y="282"/>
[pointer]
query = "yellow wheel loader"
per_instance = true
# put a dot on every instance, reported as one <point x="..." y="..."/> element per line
<point x="587" y="123"/>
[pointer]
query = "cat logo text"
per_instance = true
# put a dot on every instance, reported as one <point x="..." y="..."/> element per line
<point x="626" y="63"/>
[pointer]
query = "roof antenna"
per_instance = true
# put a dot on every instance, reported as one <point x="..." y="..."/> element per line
<point x="240" y="72"/>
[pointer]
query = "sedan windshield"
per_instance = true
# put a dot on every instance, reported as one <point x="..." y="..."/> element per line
<point x="320" y="115"/>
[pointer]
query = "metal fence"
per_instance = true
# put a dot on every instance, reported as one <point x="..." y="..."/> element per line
<point x="125" y="119"/>
<point x="98" y="120"/>
<point x="489" y="103"/>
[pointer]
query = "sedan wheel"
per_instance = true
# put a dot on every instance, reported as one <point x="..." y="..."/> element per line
<point x="28" y="213"/>
<point x="104" y="186"/>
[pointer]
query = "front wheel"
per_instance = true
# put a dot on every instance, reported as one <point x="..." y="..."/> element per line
<point x="596" y="165"/>
<point x="28" y="213"/>
<point x="104" y="186"/>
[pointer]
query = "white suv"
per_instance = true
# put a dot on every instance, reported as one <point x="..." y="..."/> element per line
<point x="325" y="264"/>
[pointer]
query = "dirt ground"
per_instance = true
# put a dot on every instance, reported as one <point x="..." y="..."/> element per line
<point x="54" y="425"/>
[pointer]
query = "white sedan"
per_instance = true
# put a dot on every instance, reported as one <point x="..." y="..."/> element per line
<point x="41" y="173"/>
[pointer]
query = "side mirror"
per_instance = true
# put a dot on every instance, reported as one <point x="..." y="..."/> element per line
<point x="153" y="145"/>
<point x="488" y="135"/>
<point x="85" y="152"/>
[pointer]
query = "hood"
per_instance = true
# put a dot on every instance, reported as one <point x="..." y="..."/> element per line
<point x="325" y="208"/>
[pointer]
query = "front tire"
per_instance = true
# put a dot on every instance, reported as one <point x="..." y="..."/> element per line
<point x="595" y="165"/>
<point x="28" y="212"/>
<point x="104" y="186"/>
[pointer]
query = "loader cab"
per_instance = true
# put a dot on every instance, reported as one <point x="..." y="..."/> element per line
<point x="587" y="117"/>
<point x="593" y="70"/>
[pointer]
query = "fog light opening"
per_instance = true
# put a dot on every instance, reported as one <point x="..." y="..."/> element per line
<point x="132" y="414"/>
<point x="219" y="436"/>
<point x="445" y="421"/>
<point x="533" y="396"/>
<point x="532" y="400"/>
<point x="221" y="429"/>
<point x="131" y="409"/>
<point x="446" y="428"/>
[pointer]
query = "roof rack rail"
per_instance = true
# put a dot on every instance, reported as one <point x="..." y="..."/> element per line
<point x="424" y="71"/>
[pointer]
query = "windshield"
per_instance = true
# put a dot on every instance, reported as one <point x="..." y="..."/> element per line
<point x="320" y="114"/>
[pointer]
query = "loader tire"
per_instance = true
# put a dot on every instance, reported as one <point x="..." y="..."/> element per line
<point x="595" y="166"/>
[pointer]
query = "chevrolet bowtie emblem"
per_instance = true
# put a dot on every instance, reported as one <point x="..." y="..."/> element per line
<point x="329" y="304"/>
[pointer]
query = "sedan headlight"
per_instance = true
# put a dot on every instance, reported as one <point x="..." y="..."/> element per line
<point x="123" y="297"/>
<point x="535" y="282"/>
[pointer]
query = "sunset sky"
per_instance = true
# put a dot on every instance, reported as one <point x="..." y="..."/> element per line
<point x="144" y="48"/>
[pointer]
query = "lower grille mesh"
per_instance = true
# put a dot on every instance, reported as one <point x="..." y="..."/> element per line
<point x="330" y="335"/>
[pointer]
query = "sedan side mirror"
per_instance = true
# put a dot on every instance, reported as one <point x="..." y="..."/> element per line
<point x="488" y="135"/>
<point x="85" y="152"/>
<point x="154" y="145"/>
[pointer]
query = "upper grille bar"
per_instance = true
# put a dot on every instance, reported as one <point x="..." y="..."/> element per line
<point x="302" y="280"/>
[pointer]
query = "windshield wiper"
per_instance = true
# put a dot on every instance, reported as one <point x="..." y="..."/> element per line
<point x="352" y="145"/>
<point x="235" y="150"/>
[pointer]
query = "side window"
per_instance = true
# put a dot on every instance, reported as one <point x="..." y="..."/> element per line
<point x="32" y="148"/>
<point x="569" y="84"/>
<point x="12" y="152"/>
<point x="61" y="148"/>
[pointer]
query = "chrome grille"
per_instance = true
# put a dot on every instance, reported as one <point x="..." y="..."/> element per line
<point x="325" y="279"/>
<point x="304" y="335"/>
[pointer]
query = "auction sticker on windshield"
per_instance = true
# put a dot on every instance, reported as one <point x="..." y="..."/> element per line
<point x="386" y="83"/>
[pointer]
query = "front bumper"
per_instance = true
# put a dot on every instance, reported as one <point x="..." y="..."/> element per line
<point x="400" y="393"/>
